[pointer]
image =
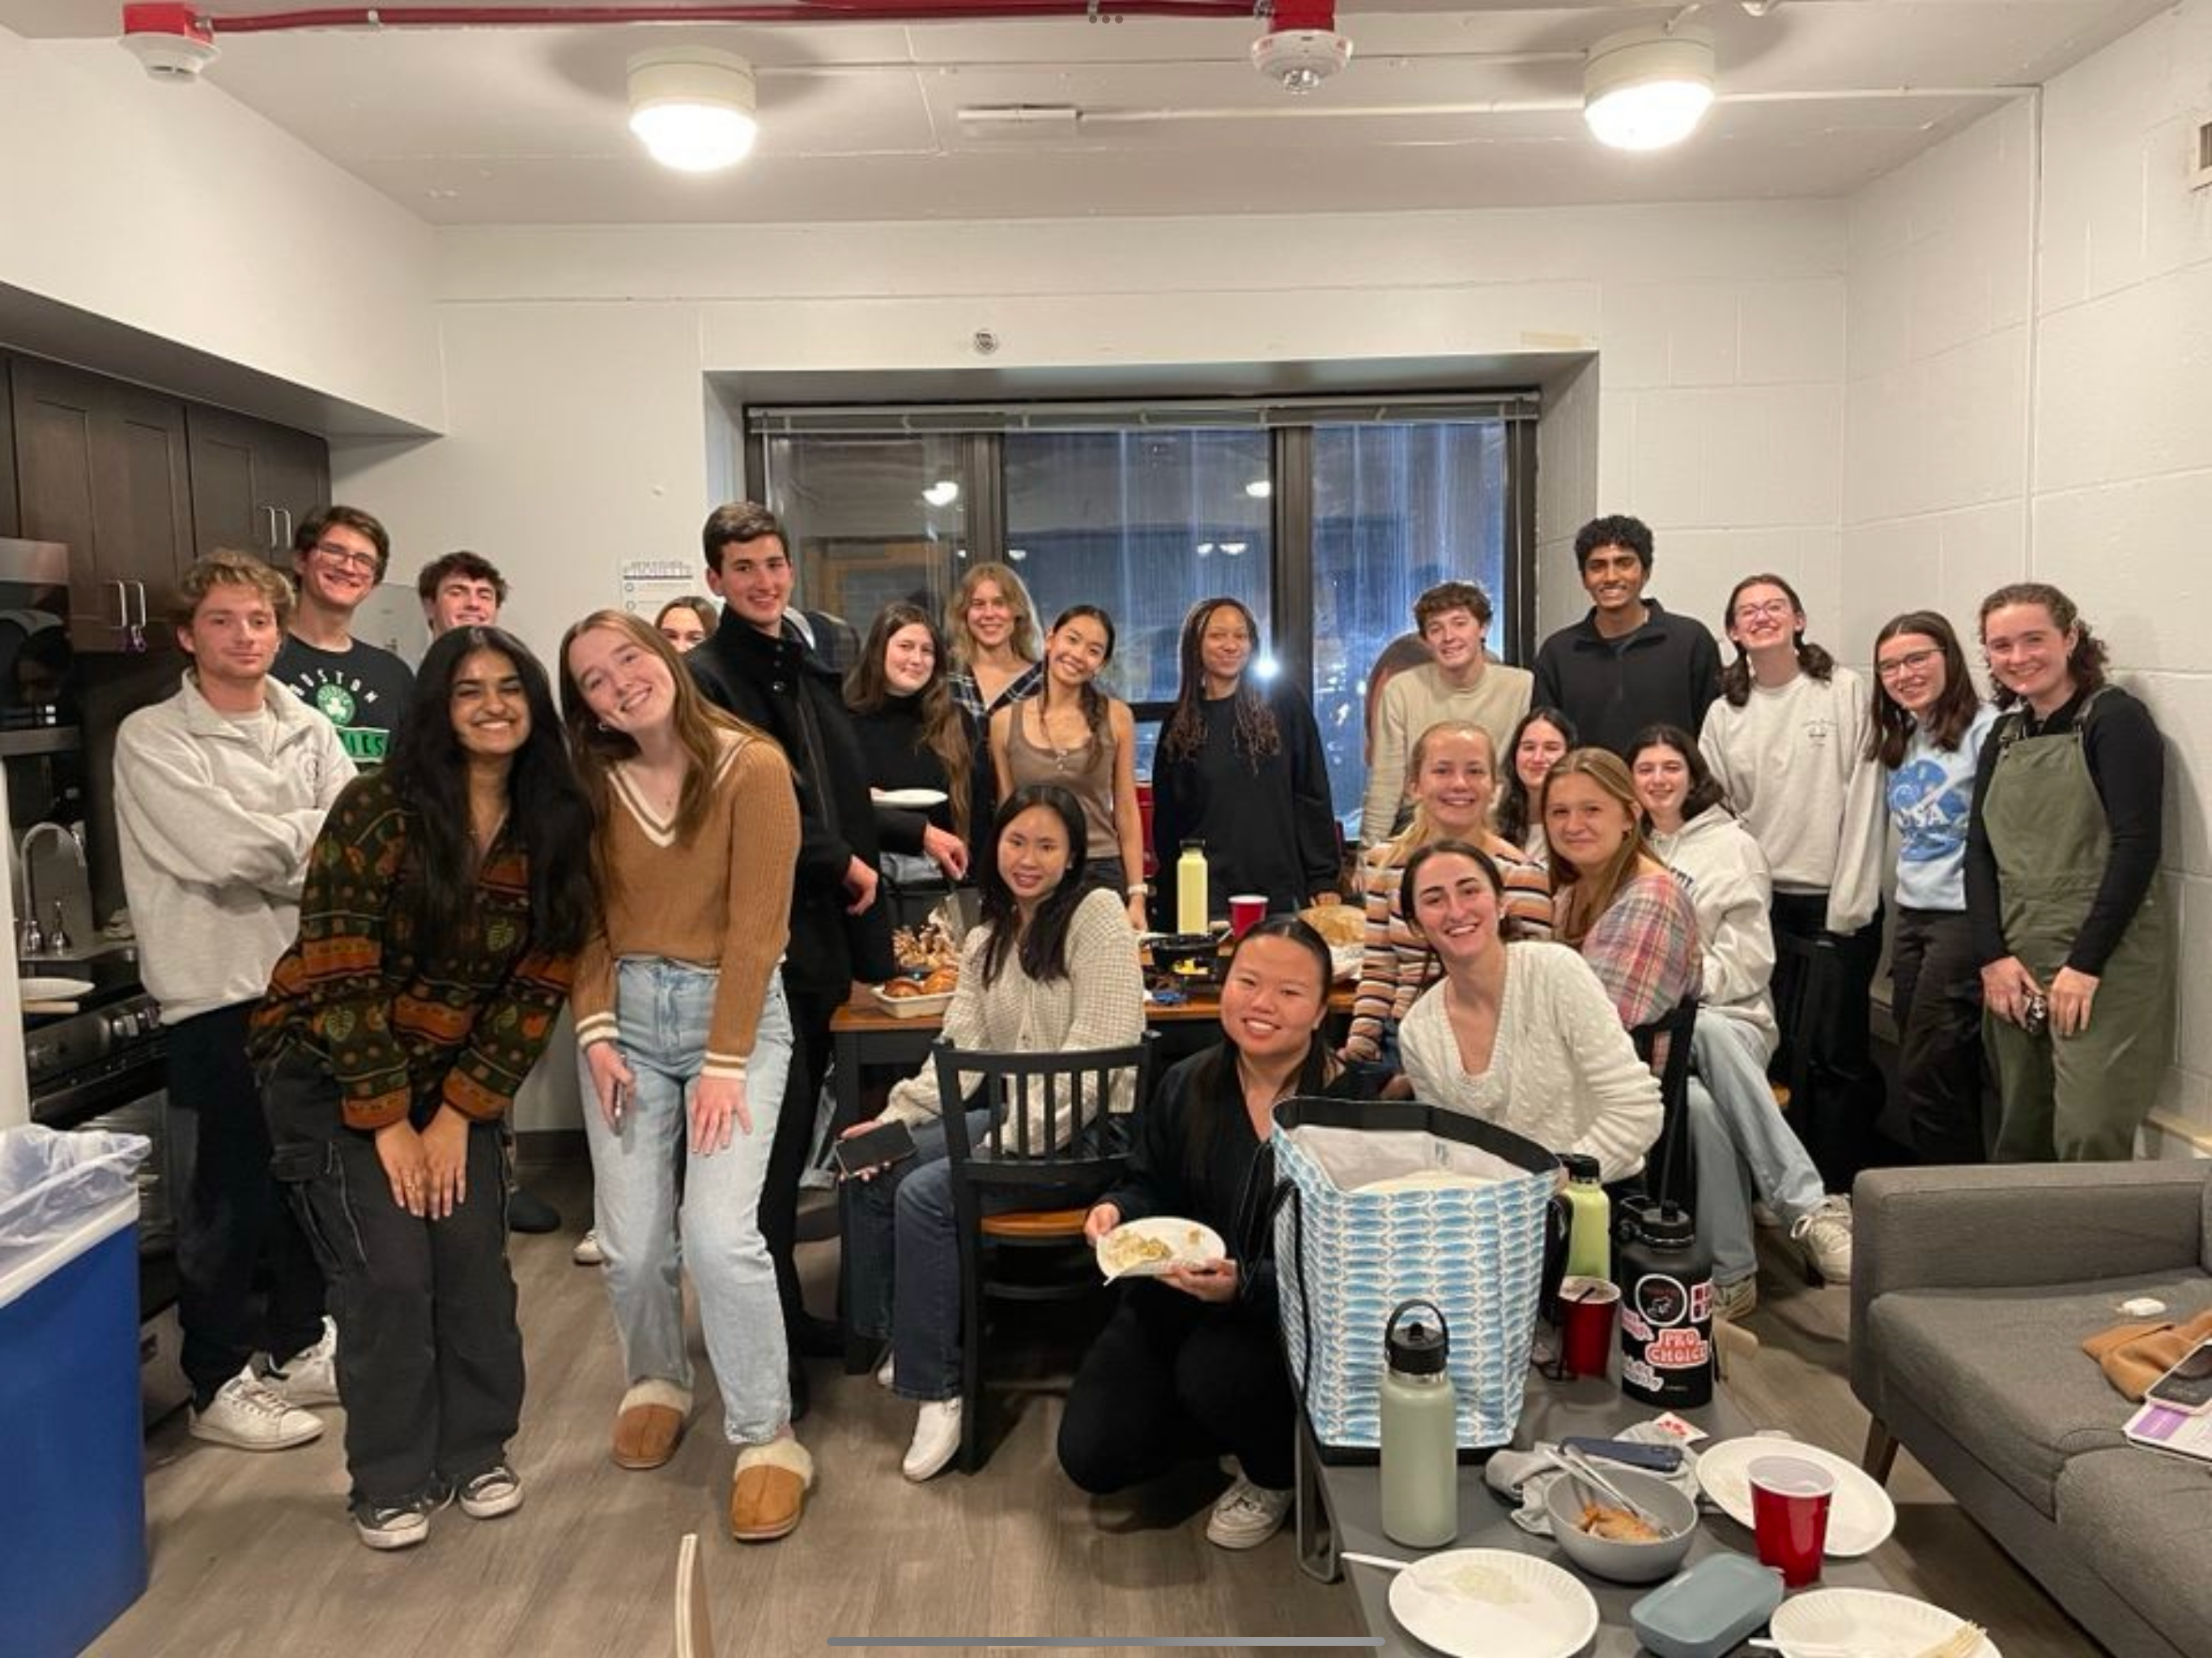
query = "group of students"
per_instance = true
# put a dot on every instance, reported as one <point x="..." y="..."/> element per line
<point x="362" y="967"/>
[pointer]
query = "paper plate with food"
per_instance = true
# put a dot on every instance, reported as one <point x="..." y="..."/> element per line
<point x="1153" y="1248"/>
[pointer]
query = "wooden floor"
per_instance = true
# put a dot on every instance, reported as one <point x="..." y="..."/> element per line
<point x="253" y="1555"/>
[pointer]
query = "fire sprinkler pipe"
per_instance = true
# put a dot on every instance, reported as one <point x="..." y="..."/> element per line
<point x="799" y="11"/>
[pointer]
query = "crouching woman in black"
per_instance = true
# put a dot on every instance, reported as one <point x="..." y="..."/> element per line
<point x="446" y="899"/>
<point x="1191" y="1364"/>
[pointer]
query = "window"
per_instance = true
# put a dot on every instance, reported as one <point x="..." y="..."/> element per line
<point x="1396" y="509"/>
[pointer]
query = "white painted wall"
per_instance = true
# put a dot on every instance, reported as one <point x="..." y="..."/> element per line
<point x="175" y="211"/>
<point x="2030" y="394"/>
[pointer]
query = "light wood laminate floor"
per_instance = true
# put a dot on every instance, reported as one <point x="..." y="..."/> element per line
<point x="253" y="1555"/>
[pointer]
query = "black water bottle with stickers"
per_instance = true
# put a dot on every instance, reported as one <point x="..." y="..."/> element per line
<point x="1666" y="1279"/>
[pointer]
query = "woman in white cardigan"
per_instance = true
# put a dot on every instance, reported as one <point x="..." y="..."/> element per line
<point x="1526" y="1038"/>
<point x="1051" y="968"/>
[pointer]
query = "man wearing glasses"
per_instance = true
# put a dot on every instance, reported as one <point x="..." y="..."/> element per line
<point x="339" y="555"/>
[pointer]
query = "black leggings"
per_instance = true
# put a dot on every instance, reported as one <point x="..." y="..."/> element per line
<point x="1171" y="1377"/>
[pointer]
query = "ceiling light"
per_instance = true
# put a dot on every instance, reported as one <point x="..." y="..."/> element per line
<point x="1260" y="489"/>
<point x="942" y="493"/>
<point x="1646" y="89"/>
<point x="1234" y="548"/>
<point x="692" y="107"/>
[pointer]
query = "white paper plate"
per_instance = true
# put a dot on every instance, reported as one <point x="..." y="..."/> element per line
<point x="1866" y="1620"/>
<point x="53" y="990"/>
<point x="1493" y="1603"/>
<point x="1860" y="1519"/>
<point x="1191" y="1240"/>
<point x="909" y="800"/>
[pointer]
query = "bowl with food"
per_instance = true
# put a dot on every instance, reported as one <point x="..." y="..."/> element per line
<point x="1610" y="1540"/>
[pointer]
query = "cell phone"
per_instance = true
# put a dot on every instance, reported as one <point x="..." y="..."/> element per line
<point x="1629" y="1453"/>
<point x="621" y="1100"/>
<point x="2187" y="1386"/>
<point x="880" y="1147"/>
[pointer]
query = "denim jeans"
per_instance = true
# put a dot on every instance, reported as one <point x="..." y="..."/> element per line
<point x="663" y="1009"/>
<point x="905" y="1281"/>
<point x="1739" y="1134"/>
<point x="429" y="1365"/>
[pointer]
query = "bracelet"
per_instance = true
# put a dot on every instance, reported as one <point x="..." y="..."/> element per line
<point x="1139" y="890"/>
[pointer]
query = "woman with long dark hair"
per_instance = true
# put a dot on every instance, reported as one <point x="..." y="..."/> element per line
<point x="1787" y="741"/>
<point x="1240" y="767"/>
<point x="445" y="900"/>
<point x="1522" y="1035"/>
<point x="684" y="1037"/>
<point x="1193" y="1361"/>
<point x="1540" y="742"/>
<point x="1074" y="737"/>
<point x="1734" y="1121"/>
<point x="2062" y="888"/>
<point x="915" y="735"/>
<point x="1927" y="726"/>
<point x="1051" y="967"/>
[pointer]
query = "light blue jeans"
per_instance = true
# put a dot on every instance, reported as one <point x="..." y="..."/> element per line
<point x="663" y="1008"/>
<point x="1743" y="1146"/>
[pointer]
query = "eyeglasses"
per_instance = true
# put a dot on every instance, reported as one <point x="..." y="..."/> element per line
<point x="1774" y="607"/>
<point x="1912" y="662"/>
<point x="349" y="555"/>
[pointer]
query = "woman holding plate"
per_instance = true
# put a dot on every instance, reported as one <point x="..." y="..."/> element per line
<point x="1191" y="1358"/>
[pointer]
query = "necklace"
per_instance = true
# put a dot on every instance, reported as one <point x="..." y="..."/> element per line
<point x="1060" y="756"/>
<point x="487" y="836"/>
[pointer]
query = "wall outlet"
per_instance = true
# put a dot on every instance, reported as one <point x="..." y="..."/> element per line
<point x="2200" y="175"/>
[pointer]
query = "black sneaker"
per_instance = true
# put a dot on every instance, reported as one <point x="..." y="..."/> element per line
<point x="495" y="1491"/>
<point x="401" y="1525"/>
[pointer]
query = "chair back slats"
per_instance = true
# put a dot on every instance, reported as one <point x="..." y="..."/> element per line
<point x="1051" y="1115"/>
<point x="1670" y="1167"/>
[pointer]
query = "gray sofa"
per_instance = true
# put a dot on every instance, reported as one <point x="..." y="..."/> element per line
<point x="1972" y="1291"/>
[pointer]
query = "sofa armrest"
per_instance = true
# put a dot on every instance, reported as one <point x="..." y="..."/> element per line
<point x="2016" y="1226"/>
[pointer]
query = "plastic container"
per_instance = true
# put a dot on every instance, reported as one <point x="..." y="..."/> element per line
<point x="70" y="1436"/>
<point x="1709" y="1609"/>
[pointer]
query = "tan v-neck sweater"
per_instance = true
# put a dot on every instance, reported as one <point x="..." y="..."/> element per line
<point x="722" y="899"/>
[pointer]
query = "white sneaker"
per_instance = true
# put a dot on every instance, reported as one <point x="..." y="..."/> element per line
<point x="1739" y="1300"/>
<point x="886" y="1375"/>
<point x="588" y="1252"/>
<point x="936" y="1440"/>
<point x="1247" y="1515"/>
<point x="1824" y="1236"/>
<point x="249" y="1415"/>
<point x="311" y="1376"/>
<point x="495" y="1491"/>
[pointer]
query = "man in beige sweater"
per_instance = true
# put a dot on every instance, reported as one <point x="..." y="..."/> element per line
<point x="1458" y="682"/>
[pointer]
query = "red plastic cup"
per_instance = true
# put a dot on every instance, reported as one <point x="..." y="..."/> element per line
<point x="1245" y="909"/>
<point x="1587" y="1306"/>
<point x="1789" y="1502"/>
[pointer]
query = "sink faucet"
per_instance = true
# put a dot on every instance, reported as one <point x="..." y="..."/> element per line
<point x="30" y="941"/>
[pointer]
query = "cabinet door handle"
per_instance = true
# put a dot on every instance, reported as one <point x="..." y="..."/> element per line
<point x="273" y="543"/>
<point x="137" y="636"/>
<point x="122" y="605"/>
<point x="287" y="540"/>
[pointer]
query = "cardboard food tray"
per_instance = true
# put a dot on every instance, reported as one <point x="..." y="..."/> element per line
<point x="911" y="1007"/>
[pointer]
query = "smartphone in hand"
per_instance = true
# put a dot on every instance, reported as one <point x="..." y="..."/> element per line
<point x="881" y="1146"/>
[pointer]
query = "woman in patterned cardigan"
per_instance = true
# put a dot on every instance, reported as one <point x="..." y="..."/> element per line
<point x="445" y="902"/>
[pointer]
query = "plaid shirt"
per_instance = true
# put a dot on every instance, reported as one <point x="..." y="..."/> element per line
<point x="1644" y="949"/>
<point x="969" y="696"/>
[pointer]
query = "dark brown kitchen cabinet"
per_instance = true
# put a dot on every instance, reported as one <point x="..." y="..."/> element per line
<point x="11" y="516"/>
<point x="101" y="464"/>
<point x="253" y="484"/>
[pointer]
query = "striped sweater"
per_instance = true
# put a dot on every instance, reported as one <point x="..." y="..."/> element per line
<point x="722" y="899"/>
<point x="405" y="1028"/>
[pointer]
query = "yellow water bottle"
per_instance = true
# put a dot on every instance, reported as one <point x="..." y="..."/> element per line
<point x="1190" y="888"/>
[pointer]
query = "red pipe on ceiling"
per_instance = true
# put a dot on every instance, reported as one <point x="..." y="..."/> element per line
<point x="801" y="11"/>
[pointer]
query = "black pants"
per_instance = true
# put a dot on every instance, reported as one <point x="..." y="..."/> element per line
<point x="1171" y="1377"/>
<point x="232" y="1221"/>
<point x="810" y="1012"/>
<point x="1838" y="1128"/>
<point x="1936" y="991"/>
<point x="429" y="1354"/>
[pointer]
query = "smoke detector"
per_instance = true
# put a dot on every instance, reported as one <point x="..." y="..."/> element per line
<point x="169" y="40"/>
<point x="1301" y="48"/>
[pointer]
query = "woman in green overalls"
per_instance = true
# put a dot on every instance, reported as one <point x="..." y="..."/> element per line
<point x="2062" y="889"/>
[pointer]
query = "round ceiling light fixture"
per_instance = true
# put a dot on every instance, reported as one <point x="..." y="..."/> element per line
<point x="692" y="107"/>
<point x="1645" y="88"/>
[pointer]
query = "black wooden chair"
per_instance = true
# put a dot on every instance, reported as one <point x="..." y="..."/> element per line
<point x="1670" y="1168"/>
<point x="1051" y="1141"/>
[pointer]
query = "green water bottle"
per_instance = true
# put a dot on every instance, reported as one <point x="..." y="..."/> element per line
<point x="1589" y="1219"/>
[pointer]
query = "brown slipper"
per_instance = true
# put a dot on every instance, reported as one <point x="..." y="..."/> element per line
<point x="649" y="1424"/>
<point x="768" y="1492"/>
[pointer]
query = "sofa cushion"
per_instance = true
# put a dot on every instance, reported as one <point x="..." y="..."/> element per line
<point x="2149" y="1517"/>
<point x="2003" y="1373"/>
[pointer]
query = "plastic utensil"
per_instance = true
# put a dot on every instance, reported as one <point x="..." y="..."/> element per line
<point x="1579" y="1466"/>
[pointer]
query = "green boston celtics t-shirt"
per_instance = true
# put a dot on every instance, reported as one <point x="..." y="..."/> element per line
<point x="363" y="690"/>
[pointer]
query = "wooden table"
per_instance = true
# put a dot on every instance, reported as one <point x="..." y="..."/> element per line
<point x="1339" y="1506"/>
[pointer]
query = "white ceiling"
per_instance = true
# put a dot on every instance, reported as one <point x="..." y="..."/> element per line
<point x="862" y="121"/>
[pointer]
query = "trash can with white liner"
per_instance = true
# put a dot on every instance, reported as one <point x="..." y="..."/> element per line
<point x="70" y="1442"/>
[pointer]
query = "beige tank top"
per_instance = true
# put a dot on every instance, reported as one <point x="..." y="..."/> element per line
<point x="1085" y="771"/>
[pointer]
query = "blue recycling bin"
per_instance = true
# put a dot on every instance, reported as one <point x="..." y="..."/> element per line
<point x="72" y="1438"/>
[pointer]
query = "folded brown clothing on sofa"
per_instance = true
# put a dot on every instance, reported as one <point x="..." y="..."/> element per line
<point x="2135" y="1354"/>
